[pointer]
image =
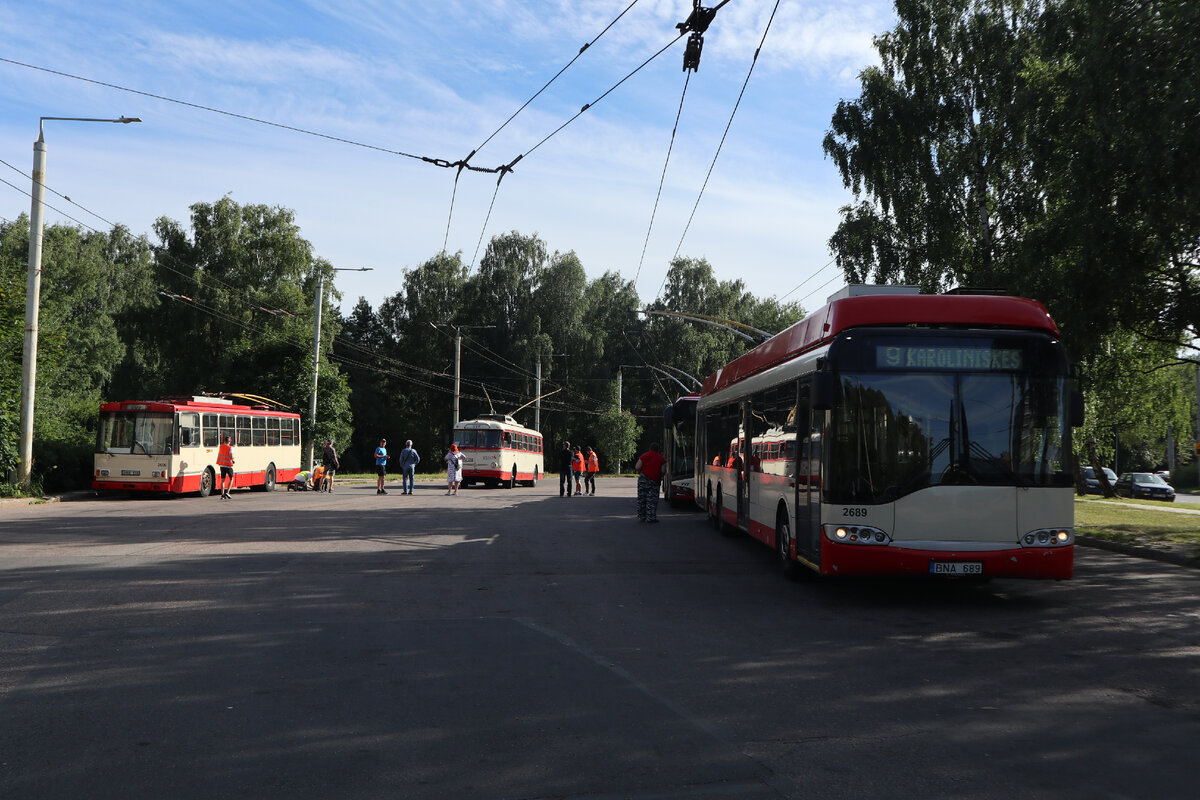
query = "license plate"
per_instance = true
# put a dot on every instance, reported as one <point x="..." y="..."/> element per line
<point x="955" y="567"/>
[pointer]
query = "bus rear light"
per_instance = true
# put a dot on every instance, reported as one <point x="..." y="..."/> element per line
<point x="102" y="473"/>
<point x="1048" y="537"/>
<point x="856" y="534"/>
<point x="158" y="473"/>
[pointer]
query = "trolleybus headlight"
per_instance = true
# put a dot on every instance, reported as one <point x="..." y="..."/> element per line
<point x="856" y="534"/>
<point x="1048" y="537"/>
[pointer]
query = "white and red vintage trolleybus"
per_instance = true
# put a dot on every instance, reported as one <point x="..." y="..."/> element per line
<point x="171" y="445"/>
<point x="896" y="433"/>
<point x="499" y="450"/>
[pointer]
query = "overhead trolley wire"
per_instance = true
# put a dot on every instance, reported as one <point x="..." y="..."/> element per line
<point x="663" y="178"/>
<point x="736" y="105"/>
<point x="437" y="162"/>
<point x="552" y="80"/>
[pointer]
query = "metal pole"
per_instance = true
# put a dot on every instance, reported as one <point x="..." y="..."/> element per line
<point x="619" y="381"/>
<point x="33" y="291"/>
<point x="457" y="370"/>
<point x="537" y="393"/>
<point x="312" y="401"/>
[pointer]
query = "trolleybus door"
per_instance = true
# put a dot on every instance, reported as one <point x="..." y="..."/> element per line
<point x="741" y="465"/>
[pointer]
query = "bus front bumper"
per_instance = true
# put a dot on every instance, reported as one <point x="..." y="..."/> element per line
<point x="1054" y="563"/>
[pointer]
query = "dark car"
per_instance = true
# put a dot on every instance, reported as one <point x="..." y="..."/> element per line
<point x="1091" y="484"/>
<point x="1144" y="485"/>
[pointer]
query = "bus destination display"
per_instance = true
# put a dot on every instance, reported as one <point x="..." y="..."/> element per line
<point x="924" y="356"/>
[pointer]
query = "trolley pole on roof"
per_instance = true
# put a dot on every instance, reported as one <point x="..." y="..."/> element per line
<point x="33" y="297"/>
<point x="312" y="400"/>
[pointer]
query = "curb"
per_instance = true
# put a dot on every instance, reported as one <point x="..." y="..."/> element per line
<point x="1168" y="556"/>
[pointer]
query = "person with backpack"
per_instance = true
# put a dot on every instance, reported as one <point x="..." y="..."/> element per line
<point x="409" y="458"/>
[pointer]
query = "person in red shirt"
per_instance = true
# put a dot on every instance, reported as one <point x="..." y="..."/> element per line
<point x="650" y="466"/>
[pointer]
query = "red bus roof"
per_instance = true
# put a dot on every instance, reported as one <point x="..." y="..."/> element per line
<point x="956" y="310"/>
<point x="212" y="404"/>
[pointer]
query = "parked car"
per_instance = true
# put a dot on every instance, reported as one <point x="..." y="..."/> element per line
<point x="1164" y="474"/>
<point x="1144" y="485"/>
<point x="1091" y="484"/>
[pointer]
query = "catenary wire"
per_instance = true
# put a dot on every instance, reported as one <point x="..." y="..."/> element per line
<point x="728" y="125"/>
<point x="663" y="178"/>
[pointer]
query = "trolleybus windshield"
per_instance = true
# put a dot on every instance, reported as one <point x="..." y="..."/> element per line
<point x="918" y="411"/>
<point x="135" y="432"/>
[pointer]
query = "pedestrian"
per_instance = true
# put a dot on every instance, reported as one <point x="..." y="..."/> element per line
<point x="381" y="459"/>
<point x="577" y="470"/>
<point x="409" y="458"/>
<point x="454" y="461"/>
<point x="225" y="462"/>
<point x="329" y="460"/>
<point x="650" y="472"/>
<point x="565" y="457"/>
<point x="593" y="466"/>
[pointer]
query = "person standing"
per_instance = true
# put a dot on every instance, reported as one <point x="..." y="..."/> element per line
<point x="225" y="462"/>
<point x="409" y="458"/>
<point x="650" y="472"/>
<point x="577" y="470"/>
<point x="381" y="459"/>
<point x="329" y="460"/>
<point x="565" y="457"/>
<point x="593" y="466"/>
<point x="454" y="461"/>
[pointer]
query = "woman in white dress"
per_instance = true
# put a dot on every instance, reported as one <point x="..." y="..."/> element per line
<point x="454" y="460"/>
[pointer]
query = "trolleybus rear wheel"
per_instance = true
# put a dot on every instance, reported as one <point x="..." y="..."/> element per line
<point x="207" y="480"/>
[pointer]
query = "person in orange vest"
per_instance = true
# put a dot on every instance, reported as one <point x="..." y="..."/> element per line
<point x="225" y="462"/>
<point x="593" y="466"/>
<point x="577" y="470"/>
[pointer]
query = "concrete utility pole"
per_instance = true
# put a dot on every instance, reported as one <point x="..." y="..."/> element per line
<point x="458" y="329"/>
<point x="33" y="296"/>
<point x="537" y="393"/>
<point x="312" y="400"/>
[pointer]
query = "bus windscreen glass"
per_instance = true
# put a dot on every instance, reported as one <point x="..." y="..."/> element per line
<point x="135" y="432"/>
<point x="946" y="411"/>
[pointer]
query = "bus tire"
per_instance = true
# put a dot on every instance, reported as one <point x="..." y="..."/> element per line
<point x="268" y="484"/>
<point x="511" y="483"/>
<point x="783" y="546"/>
<point x="708" y="508"/>
<point x="207" y="480"/>
<point x="723" y="527"/>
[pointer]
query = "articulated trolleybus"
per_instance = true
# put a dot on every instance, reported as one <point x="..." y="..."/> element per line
<point x="171" y="445"/>
<point x="895" y="433"/>
<point x="499" y="450"/>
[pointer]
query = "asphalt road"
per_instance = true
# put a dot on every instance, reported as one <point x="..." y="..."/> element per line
<point x="514" y="644"/>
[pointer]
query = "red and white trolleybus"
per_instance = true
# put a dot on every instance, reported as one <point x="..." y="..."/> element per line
<point x="170" y="445"/>
<point x="891" y="432"/>
<point x="499" y="450"/>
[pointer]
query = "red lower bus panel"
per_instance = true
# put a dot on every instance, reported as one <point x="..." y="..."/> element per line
<point x="1055" y="563"/>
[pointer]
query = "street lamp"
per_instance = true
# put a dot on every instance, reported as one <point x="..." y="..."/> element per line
<point x="312" y="402"/>
<point x="33" y="291"/>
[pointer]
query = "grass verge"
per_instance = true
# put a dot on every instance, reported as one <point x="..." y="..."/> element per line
<point x="1147" y="525"/>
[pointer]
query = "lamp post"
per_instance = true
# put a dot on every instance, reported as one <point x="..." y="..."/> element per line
<point x="33" y="291"/>
<point x="312" y="401"/>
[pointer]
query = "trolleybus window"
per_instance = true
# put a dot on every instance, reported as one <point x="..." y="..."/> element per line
<point x="189" y="429"/>
<point x="133" y="432"/>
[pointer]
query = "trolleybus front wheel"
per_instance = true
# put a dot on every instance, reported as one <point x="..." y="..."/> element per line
<point x="207" y="480"/>
<point x="783" y="546"/>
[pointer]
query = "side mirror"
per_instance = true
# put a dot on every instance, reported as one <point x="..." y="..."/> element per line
<point x="822" y="390"/>
<point x="1077" y="414"/>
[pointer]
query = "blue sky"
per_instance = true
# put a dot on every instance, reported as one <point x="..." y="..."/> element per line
<point x="436" y="79"/>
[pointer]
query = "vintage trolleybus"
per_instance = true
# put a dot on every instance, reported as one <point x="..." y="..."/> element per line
<point x="892" y="432"/>
<point x="170" y="445"/>
<point x="499" y="450"/>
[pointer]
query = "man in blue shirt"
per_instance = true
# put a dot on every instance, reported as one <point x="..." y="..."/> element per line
<point x="381" y="459"/>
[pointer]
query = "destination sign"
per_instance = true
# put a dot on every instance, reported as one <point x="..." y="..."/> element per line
<point x="914" y="356"/>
